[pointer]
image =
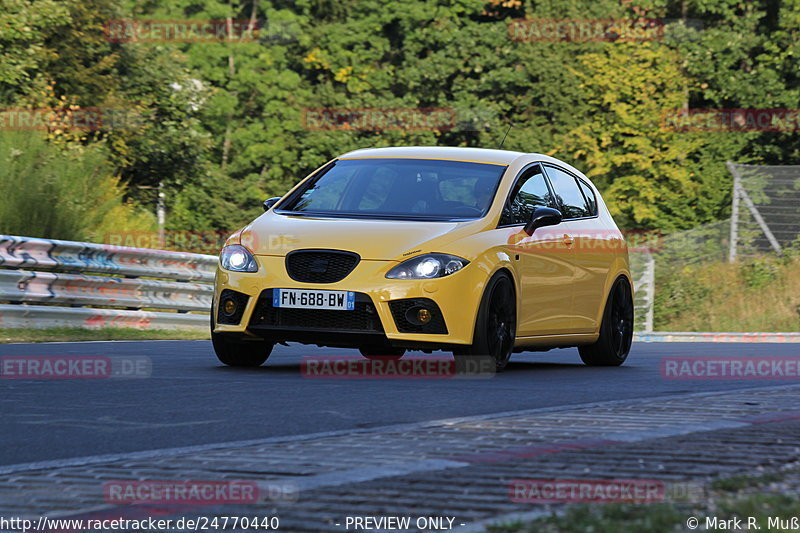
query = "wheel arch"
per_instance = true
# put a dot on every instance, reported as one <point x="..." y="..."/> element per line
<point x="610" y="281"/>
<point x="504" y="269"/>
<point x="491" y="269"/>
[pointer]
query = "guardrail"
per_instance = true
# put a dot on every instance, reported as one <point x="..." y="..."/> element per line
<point x="50" y="283"/>
<point x="716" y="336"/>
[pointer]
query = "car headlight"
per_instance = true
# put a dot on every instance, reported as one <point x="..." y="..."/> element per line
<point x="427" y="266"/>
<point x="237" y="258"/>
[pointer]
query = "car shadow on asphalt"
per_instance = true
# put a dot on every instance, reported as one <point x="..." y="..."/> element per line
<point x="513" y="367"/>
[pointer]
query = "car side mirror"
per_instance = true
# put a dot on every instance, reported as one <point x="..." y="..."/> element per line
<point x="543" y="216"/>
<point x="269" y="203"/>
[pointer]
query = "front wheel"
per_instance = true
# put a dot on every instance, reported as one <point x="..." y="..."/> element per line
<point x="616" y="329"/>
<point x="382" y="354"/>
<point x="236" y="352"/>
<point x="496" y="324"/>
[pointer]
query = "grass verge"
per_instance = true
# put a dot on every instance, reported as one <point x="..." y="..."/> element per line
<point x="104" y="334"/>
<point x="761" y="294"/>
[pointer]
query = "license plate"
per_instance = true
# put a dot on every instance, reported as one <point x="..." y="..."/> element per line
<point x="312" y="299"/>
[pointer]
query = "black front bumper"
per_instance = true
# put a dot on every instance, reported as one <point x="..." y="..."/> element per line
<point x="326" y="327"/>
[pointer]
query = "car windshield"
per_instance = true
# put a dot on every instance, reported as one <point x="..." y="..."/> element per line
<point x="400" y="188"/>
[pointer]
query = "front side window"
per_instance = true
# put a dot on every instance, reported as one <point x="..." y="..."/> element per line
<point x="426" y="189"/>
<point x="530" y="192"/>
<point x="569" y="196"/>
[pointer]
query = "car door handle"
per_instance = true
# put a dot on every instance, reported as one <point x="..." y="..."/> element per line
<point x="568" y="240"/>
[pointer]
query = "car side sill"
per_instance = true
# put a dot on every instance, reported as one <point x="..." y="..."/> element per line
<point x="563" y="339"/>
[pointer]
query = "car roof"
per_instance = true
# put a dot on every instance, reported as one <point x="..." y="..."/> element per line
<point x="477" y="155"/>
<point x="454" y="153"/>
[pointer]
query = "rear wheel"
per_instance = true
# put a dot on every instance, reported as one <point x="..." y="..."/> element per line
<point x="382" y="354"/>
<point x="616" y="329"/>
<point x="238" y="352"/>
<point x="496" y="323"/>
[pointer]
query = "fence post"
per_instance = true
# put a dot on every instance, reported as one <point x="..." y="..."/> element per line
<point x="739" y="192"/>
<point x="734" y="213"/>
<point x="650" y="283"/>
<point x="161" y="215"/>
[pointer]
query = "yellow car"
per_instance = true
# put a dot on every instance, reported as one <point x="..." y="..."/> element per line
<point x="474" y="251"/>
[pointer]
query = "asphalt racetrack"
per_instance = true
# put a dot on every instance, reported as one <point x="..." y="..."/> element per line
<point x="192" y="399"/>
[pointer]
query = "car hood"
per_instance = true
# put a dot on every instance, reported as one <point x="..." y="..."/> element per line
<point x="274" y="234"/>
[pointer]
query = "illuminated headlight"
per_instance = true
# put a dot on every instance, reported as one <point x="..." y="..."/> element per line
<point x="428" y="266"/>
<point x="237" y="258"/>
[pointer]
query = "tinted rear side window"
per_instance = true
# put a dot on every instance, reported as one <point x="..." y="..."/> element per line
<point x="591" y="200"/>
<point x="568" y="194"/>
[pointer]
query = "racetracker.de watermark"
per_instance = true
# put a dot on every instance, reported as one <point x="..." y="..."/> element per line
<point x="208" y="242"/>
<point x="602" y="491"/>
<point x="187" y="492"/>
<point x="72" y="118"/>
<point x="185" y="241"/>
<point x="198" y="492"/>
<point x="586" y="30"/>
<point x="396" y="119"/>
<point x="731" y="120"/>
<point x="588" y="240"/>
<point x="74" y="367"/>
<point x="389" y="367"/>
<point x="744" y="368"/>
<point x="181" y="31"/>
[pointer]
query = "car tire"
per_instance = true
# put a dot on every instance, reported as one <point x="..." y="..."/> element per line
<point x="616" y="329"/>
<point x="496" y="323"/>
<point x="237" y="352"/>
<point x="382" y="354"/>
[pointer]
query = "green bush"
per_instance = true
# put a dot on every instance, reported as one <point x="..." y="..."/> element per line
<point x="758" y="272"/>
<point x="679" y="292"/>
<point x="61" y="193"/>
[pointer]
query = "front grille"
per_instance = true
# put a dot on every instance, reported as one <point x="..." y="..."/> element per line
<point x="320" y="266"/>
<point x="364" y="318"/>
<point x="400" y="307"/>
<point x="236" y="316"/>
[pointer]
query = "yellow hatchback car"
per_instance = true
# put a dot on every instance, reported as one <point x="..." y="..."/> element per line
<point x="474" y="251"/>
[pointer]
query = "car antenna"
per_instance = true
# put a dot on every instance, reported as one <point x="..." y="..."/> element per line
<point x="504" y="136"/>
